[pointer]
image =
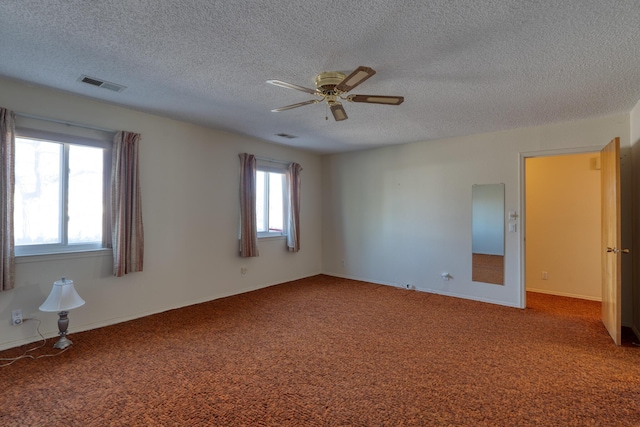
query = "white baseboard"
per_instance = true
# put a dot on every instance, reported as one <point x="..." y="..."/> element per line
<point x="428" y="290"/>
<point x="564" y="294"/>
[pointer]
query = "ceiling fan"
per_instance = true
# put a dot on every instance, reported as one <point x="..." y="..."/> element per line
<point x="332" y="86"/>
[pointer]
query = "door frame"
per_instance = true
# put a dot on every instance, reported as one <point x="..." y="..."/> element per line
<point x="523" y="197"/>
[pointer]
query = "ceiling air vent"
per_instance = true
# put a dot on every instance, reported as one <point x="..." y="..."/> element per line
<point x="101" y="83"/>
<point x="286" y="135"/>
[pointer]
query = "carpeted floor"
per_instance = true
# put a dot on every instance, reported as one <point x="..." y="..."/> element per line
<point x="325" y="351"/>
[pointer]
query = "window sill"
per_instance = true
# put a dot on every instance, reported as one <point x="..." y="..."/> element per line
<point x="91" y="253"/>
<point x="278" y="237"/>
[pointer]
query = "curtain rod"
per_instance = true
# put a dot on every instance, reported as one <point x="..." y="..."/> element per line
<point x="266" y="159"/>
<point x="63" y="122"/>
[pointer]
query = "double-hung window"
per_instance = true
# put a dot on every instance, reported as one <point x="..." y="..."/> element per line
<point x="271" y="199"/>
<point x="61" y="191"/>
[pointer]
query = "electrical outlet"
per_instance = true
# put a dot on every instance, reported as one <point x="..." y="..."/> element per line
<point x="16" y="317"/>
<point x="545" y="275"/>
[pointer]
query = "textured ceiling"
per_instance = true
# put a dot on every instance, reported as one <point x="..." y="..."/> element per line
<point x="464" y="67"/>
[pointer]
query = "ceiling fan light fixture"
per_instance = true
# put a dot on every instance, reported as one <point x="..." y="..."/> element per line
<point x="338" y="112"/>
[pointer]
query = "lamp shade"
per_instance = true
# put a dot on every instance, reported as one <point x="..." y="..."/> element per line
<point x="63" y="297"/>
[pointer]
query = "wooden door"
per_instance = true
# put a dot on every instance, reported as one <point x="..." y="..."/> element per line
<point x="611" y="239"/>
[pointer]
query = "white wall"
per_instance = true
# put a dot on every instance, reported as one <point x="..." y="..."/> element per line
<point x="403" y="214"/>
<point x="189" y="179"/>
<point x="564" y="226"/>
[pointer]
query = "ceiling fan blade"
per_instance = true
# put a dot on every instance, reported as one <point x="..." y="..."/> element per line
<point x="292" y="86"/>
<point x="358" y="76"/>
<point x="338" y="112"/>
<point x="299" y="104"/>
<point x="377" y="99"/>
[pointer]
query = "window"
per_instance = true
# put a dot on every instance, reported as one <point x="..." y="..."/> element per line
<point x="60" y="193"/>
<point x="271" y="200"/>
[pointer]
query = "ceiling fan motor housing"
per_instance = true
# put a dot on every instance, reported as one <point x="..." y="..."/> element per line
<point x="328" y="80"/>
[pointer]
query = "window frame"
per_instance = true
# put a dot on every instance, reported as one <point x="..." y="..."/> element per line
<point x="67" y="140"/>
<point x="268" y="166"/>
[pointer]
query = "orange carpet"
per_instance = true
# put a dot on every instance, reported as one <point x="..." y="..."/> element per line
<point x="325" y="351"/>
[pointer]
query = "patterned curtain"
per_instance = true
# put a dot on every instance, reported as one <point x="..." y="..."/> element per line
<point x="248" y="227"/>
<point x="293" y="190"/>
<point x="126" y="205"/>
<point x="7" y="187"/>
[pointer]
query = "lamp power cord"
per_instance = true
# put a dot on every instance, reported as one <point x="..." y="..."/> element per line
<point x="26" y="354"/>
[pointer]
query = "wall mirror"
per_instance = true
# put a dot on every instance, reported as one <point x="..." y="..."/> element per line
<point x="487" y="238"/>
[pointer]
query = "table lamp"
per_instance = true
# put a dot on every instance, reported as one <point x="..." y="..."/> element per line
<point x="63" y="297"/>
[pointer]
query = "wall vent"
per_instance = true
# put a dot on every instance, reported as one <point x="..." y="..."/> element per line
<point x="101" y="83"/>
<point x="286" y="135"/>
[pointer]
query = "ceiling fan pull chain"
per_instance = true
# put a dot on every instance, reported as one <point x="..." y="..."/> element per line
<point x="326" y="111"/>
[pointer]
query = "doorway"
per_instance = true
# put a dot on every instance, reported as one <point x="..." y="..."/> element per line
<point x="562" y="231"/>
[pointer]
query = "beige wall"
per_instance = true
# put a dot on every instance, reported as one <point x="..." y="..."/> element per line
<point x="563" y="225"/>
<point x="189" y="179"/>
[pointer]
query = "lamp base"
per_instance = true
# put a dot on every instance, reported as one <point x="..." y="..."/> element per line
<point x="63" y="343"/>
<point x="63" y="323"/>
